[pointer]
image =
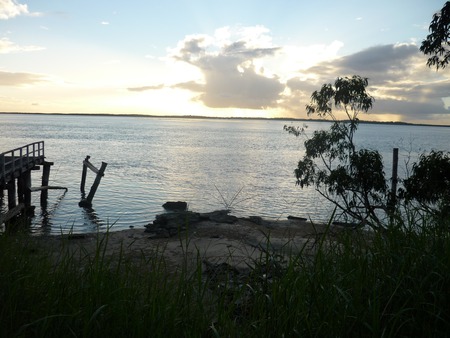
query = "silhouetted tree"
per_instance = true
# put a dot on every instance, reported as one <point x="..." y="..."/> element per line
<point x="351" y="179"/>
<point x="429" y="183"/>
<point x="437" y="43"/>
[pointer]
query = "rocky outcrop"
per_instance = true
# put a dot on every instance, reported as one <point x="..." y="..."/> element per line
<point x="171" y="223"/>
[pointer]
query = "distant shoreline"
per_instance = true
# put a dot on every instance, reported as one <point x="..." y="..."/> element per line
<point x="291" y="119"/>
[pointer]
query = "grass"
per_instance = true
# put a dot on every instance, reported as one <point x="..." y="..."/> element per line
<point x="391" y="284"/>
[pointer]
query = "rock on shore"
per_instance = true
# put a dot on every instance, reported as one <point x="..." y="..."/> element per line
<point x="169" y="224"/>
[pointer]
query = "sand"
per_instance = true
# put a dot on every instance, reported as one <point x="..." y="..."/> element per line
<point x="237" y="244"/>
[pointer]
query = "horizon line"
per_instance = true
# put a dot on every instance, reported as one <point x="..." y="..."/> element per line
<point x="225" y="118"/>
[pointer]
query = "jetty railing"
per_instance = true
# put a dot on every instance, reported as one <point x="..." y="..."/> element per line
<point x="18" y="160"/>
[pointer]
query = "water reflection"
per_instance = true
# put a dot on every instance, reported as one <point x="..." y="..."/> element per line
<point x="47" y="212"/>
<point x="90" y="216"/>
<point x="247" y="165"/>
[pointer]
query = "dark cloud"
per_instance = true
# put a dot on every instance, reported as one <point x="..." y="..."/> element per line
<point x="410" y="110"/>
<point x="399" y="80"/>
<point x="380" y="64"/>
<point x="19" y="79"/>
<point x="240" y="48"/>
<point x="190" y="48"/>
<point x="388" y="58"/>
<point x="245" y="89"/>
<point x="419" y="92"/>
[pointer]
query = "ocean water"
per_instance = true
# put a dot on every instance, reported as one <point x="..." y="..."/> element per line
<point x="244" y="165"/>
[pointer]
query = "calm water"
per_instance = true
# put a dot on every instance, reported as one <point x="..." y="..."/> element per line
<point x="211" y="164"/>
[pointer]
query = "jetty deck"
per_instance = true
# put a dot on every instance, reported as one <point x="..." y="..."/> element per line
<point x="16" y="166"/>
<point x="14" y="163"/>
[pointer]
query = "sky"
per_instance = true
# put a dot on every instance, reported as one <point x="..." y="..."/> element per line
<point x="231" y="58"/>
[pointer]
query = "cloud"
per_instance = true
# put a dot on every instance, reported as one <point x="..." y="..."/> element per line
<point x="7" y="47"/>
<point x="11" y="8"/>
<point x="190" y="85"/>
<point x="19" y="79"/>
<point x="241" y="68"/>
<point x="233" y="72"/>
<point x="382" y="63"/>
<point x="411" y="110"/>
<point x="145" y="88"/>
<point x="399" y="80"/>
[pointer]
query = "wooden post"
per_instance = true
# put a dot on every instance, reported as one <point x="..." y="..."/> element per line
<point x="2" y="166"/>
<point x="20" y="189"/>
<point x="24" y="188"/>
<point x="27" y="188"/>
<point x="11" y="186"/>
<point x="83" y="175"/>
<point x="87" y="203"/>
<point x="393" y="197"/>
<point x="96" y="182"/>
<point x="45" y="180"/>
<point x="2" y="188"/>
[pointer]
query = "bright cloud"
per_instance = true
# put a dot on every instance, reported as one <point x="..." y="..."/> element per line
<point x="19" y="79"/>
<point x="11" y="8"/>
<point x="7" y="46"/>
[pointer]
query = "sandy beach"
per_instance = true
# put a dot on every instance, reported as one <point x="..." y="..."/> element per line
<point x="236" y="244"/>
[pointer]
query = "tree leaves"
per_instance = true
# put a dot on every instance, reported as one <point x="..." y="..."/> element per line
<point x="348" y="94"/>
<point x="437" y="43"/>
<point x="430" y="179"/>
<point x="353" y="180"/>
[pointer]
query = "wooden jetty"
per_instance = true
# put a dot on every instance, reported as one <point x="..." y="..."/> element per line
<point x="15" y="171"/>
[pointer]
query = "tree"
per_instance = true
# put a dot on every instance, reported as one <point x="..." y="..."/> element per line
<point x="351" y="179"/>
<point x="429" y="183"/>
<point x="437" y="43"/>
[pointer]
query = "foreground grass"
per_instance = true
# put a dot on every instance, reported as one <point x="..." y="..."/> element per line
<point x="393" y="284"/>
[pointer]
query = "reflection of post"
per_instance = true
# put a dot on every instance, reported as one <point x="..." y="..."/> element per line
<point x="88" y="201"/>
<point x="83" y="175"/>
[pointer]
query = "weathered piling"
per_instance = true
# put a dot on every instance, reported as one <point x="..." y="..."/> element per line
<point x="394" y="181"/>
<point x="24" y="188"/>
<point x="87" y="202"/>
<point x="11" y="187"/>
<point x="83" y="174"/>
<point x="44" y="182"/>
